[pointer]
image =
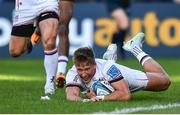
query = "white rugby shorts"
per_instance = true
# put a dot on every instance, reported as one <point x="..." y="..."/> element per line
<point x="27" y="15"/>
<point x="137" y="80"/>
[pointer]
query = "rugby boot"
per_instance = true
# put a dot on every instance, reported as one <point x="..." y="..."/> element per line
<point x="136" y="41"/>
<point x="60" y="80"/>
<point x="35" y="38"/>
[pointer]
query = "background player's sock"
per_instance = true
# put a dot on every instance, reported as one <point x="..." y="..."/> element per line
<point x="62" y="64"/>
<point x="50" y="64"/>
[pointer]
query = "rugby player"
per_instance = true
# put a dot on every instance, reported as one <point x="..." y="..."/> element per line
<point x="87" y="70"/>
<point x="44" y="15"/>
<point x="66" y="11"/>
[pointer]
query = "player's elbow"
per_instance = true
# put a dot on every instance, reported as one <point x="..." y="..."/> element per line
<point x="166" y="82"/>
<point x="126" y="96"/>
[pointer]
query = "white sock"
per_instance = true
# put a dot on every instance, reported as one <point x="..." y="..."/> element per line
<point x="140" y="55"/>
<point x="50" y="64"/>
<point x="62" y="64"/>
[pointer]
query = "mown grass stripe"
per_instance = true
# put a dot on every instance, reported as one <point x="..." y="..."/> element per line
<point x="19" y="78"/>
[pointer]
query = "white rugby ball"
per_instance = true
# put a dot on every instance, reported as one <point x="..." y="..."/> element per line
<point x="101" y="88"/>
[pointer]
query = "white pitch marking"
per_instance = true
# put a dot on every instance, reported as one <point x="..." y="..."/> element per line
<point x="137" y="109"/>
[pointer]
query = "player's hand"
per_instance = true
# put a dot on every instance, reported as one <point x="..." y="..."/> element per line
<point x="97" y="98"/>
<point x="90" y="94"/>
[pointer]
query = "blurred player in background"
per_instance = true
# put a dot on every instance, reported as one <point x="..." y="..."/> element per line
<point x="119" y="10"/>
<point x="43" y="14"/>
<point x="87" y="70"/>
<point x="66" y="11"/>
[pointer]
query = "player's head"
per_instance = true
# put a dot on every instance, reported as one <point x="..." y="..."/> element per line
<point x="84" y="61"/>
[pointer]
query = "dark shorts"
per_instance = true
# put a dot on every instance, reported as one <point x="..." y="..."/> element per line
<point x="28" y="29"/>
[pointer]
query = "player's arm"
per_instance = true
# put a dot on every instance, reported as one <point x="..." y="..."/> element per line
<point x="73" y="93"/>
<point x="121" y="91"/>
<point x="112" y="72"/>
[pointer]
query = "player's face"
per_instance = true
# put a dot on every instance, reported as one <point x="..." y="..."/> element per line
<point x="86" y="71"/>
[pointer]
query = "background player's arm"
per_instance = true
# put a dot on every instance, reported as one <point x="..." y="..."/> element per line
<point x="73" y="93"/>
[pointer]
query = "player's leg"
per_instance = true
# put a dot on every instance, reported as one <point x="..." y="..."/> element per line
<point x="122" y="22"/>
<point x="158" y="78"/>
<point x="66" y="8"/>
<point x="20" y="42"/>
<point x="48" y="24"/>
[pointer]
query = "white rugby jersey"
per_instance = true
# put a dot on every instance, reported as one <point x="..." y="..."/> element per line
<point x="109" y="71"/>
<point x="31" y="4"/>
<point x="105" y="70"/>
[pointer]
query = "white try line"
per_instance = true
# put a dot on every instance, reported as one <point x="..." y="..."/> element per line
<point x="137" y="109"/>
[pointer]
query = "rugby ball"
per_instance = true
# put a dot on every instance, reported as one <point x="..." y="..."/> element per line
<point x="101" y="88"/>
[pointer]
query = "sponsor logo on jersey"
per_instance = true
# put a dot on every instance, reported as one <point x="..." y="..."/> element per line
<point x="114" y="72"/>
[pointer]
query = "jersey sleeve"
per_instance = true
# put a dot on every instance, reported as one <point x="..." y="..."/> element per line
<point x="112" y="72"/>
<point x="72" y="78"/>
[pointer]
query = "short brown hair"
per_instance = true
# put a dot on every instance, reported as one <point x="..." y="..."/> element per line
<point x="84" y="54"/>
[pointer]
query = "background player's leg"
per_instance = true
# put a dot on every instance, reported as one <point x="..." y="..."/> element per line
<point x="17" y="45"/>
<point x="66" y="8"/>
<point x="122" y="23"/>
<point x="48" y="29"/>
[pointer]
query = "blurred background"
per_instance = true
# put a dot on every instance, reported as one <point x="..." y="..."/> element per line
<point x="97" y="23"/>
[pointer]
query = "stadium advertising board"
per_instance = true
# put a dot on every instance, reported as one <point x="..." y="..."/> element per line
<point x="91" y="26"/>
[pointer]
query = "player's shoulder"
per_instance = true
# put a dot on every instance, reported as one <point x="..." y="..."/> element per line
<point x="100" y="61"/>
<point x="105" y="65"/>
<point x="71" y="72"/>
<point x="72" y="77"/>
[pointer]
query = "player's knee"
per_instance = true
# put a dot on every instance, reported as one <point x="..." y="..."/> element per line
<point x="15" y="53"/>
<point x="49" y="43"/>
<point x="49" y="40"/>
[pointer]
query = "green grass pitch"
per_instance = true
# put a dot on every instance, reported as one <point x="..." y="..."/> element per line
<point x="22" y="85"/>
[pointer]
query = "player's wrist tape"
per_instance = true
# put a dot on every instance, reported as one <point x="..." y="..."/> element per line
<point x="85" y="100"/>
<point x="100" y="97"/>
